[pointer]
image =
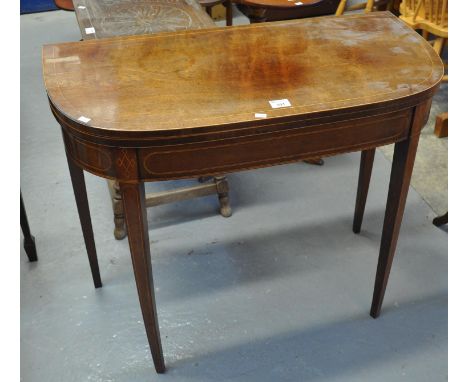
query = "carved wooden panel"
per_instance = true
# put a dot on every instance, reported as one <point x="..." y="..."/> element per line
<point x="109" y="18"/>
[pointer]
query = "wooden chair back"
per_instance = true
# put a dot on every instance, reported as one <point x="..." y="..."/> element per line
<point x="428" y="15"/>
<point x="368" y="6"/>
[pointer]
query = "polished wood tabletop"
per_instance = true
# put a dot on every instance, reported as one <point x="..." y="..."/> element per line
<point x="178" y="81"/>
<point x="109" y="18"/>
<point x="195" y="103"/>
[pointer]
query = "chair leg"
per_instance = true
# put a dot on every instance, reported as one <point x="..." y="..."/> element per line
<point x="438" y="44"/>
<point x="369" y="6"/>
<point x="341" y="8"/>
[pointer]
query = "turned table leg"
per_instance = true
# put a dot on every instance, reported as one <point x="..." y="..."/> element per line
<point x="117" y="207"/>
<point x="402" y="167"/>
<point x="223" y="195"/>
<point x="29" y="242"/>
<point x="79" y="188"/>
<point x="133" y="196"/>
<point x="219" y="186"/>
<point x="365" y="172"/>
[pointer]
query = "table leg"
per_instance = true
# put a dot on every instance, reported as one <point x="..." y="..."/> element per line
<point x="365" y="172"/>
<point x="29" y="243"/>
<point x="133" y="196"/>
<point x="81" y="198"/>
<point x="402" y="167"/>
<point x="228" y="5"/>
<point x="117" y="207"/>
<point x="223" y="195"/>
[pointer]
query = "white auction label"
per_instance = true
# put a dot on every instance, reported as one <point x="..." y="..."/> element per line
<point x="277" y="103"/>
<point x="90" y="30"/>
<point x="84" y="119"/>
<point x="260" y="115"/>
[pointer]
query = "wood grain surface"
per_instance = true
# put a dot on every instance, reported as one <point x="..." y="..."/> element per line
<point x="221" y="76"/>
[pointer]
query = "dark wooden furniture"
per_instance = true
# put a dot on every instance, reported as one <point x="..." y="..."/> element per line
<point x="146" y="108"/>
<point x="66" y="5"/>
<point x="273" y="10"/>
<point x="440" y="220"/>
<point x="209" y="4"/>
<point x="101" y="19"/>
<point x="366" y="5"/>
<point x="29" y="242"/>
<point x="441" y="125"/>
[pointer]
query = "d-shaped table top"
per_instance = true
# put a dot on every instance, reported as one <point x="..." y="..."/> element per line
<point x="221" y="77"/>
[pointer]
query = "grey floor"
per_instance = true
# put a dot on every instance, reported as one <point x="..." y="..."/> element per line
<point x="278" y="292"/>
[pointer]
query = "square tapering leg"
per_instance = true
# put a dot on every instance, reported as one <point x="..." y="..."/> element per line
<point x="133" y="196"/>
<point x="402" y="168"/>
<point x="81" y="197"/>
<point x="365" y="172"/>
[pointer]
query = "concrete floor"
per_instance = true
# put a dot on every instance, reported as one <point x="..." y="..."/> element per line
<point x="278" y="292"/>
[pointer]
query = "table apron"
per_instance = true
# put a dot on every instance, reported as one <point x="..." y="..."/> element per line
<point x="224" y="155"/>
<point x="230" y="155"/>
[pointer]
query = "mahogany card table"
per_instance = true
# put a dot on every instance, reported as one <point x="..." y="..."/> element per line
<point x="201" y="102"/>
